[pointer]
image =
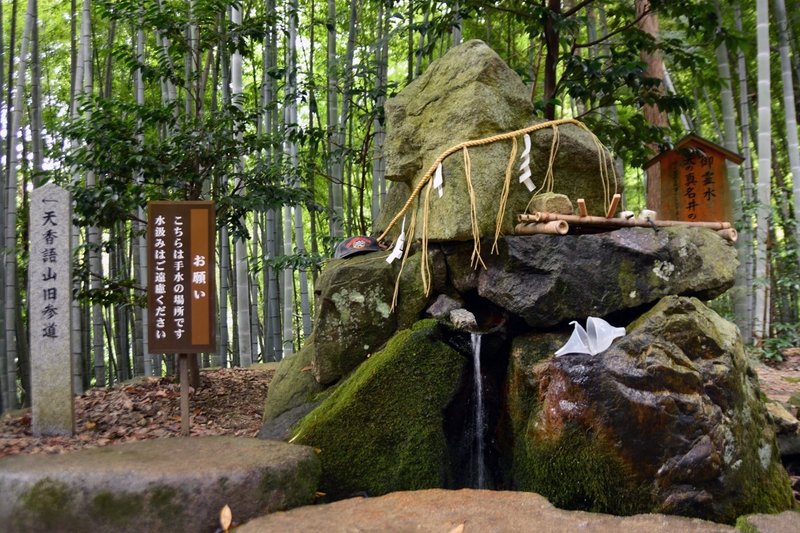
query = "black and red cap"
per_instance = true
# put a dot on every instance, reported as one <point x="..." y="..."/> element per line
<point x="359" y="244"/>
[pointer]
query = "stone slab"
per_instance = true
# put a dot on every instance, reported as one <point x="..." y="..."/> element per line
<point x="467" y="510"/>
<point x="168" y="485"/>
<point x="50" y="300"/>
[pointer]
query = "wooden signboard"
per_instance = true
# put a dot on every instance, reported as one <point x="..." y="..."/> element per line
<point x="181" y="277"/>
<point x="690" y="182"/>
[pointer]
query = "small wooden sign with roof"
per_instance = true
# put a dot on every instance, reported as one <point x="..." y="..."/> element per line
<point x="692" y="184"/>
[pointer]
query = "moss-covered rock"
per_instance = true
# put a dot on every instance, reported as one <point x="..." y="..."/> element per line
<point x="382" y="429"/>
<point x="161" y="485"/>
<point x="354" y="318"/>
<point x="669" y="419"/>
<point x="469" y="94"/>
<point x="293" y="384"/>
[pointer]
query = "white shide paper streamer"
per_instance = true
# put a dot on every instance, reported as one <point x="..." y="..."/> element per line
<point x="397" y="251"/>
<point x="525" y="167"/>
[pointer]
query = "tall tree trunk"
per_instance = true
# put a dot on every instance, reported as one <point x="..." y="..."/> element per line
<point x="335" y="148"/>
<point x="240" y="247"/>
<point x="36" y="105"/>
<point x="347" y="98"/>
<point x="744" y="306"/>
<point x="789" y="111"/>
<point x="734" y="176"/>
<point x="456" y="29"/>
<point x="686" y="120"/>
<point x="224" y="292"/>
<point x="655" y="69"/>
<point x="11" y="292"/>
<point x="761" y="317"/>
<point x="290" y="152"/>
<point x="424" y="35"/>
<point x="410" y="43"/>
<point x="273" y="158"/>
<point x="4" y="385"/>
<point x="93" y="233"/>
<point x="551" y="58"/>
<point x="142" y="342"/>
<point x="378" y="124"/>
<point x="80" y="350"/>
<point x="191" y="102"/>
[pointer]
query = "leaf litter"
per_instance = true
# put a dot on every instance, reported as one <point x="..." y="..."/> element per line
<point x="229" y="401"/>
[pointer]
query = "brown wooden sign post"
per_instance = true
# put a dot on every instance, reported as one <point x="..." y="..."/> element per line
<point x="690" y="183"/>
<point x="181" y="285"/>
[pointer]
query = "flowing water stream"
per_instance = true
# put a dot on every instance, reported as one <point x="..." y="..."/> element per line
<point x="479" y="444"/>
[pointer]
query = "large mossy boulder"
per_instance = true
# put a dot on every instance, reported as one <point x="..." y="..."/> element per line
<point x="162" y="485"/>
<point x="547" y="280"/>
<point x="354" y="318"/>
<point x="382" y="429"/>
<point x="470" y="94"/>
<point x="668" y="420"/>
<point x="292" y="387"/>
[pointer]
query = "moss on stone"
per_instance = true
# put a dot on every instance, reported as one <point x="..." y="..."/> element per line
<point x="764" y="483"/>
<point x="411" y="297"/>
<point x="579" y="471"/>
<point x="166" y="504"/>
<point x="382" y="429"/>
<point x="48" y="505"/>
<point x="626" y="281"/>
<point x="114" y="509"/>
<point x="293" y="385"/>
<point x="744" y="526"/>
<point x="285" y="489"/>
<point x="526" y="352"/>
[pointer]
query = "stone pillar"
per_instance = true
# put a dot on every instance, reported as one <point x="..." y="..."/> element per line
<point x="50" y="298"/>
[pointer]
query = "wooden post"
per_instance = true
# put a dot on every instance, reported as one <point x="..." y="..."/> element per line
<point x="582" y="208"/>
<point x="183" y="369"/>
<point x="613" y="207"/>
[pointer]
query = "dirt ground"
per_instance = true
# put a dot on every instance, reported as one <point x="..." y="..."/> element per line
<point x="780" y="381"/>
<point x="229" y="401"/>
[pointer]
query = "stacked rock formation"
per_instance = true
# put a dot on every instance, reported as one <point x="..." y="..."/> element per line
<point x="668" y="419"/>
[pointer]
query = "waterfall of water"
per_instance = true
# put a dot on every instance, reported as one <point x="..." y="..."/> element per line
<point x="479" y="463"/>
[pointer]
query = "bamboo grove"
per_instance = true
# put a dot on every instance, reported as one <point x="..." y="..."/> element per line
<point x="274" y="110"/>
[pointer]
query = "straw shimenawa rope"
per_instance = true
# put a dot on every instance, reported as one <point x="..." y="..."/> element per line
<point x="504" y="196"/>
<point x="547" y="186"/>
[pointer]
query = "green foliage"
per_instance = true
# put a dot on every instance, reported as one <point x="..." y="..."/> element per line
<point x="784" y="335"/>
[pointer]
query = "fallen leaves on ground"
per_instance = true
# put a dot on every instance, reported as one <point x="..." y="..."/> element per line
<point x="781" y="380"/>
<point x="229" y="401"/>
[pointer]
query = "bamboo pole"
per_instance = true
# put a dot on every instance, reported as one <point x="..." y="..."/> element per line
<point x="729" y="234"/>
<point x="556" y="227"/>
<point x="618" y="222"/>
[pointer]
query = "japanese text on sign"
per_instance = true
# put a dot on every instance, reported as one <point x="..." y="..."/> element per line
<point x="49" y="307"/>
<point x="181" y="280"/>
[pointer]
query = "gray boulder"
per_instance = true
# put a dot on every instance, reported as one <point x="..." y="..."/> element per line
<point x="668" y="419"/>
<point x="547" y="280"/>
<point x="293" y="384"/>
<point x="354" y="318"/>
<point x="470" y="94"/>
<point x="167" y="485"/>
